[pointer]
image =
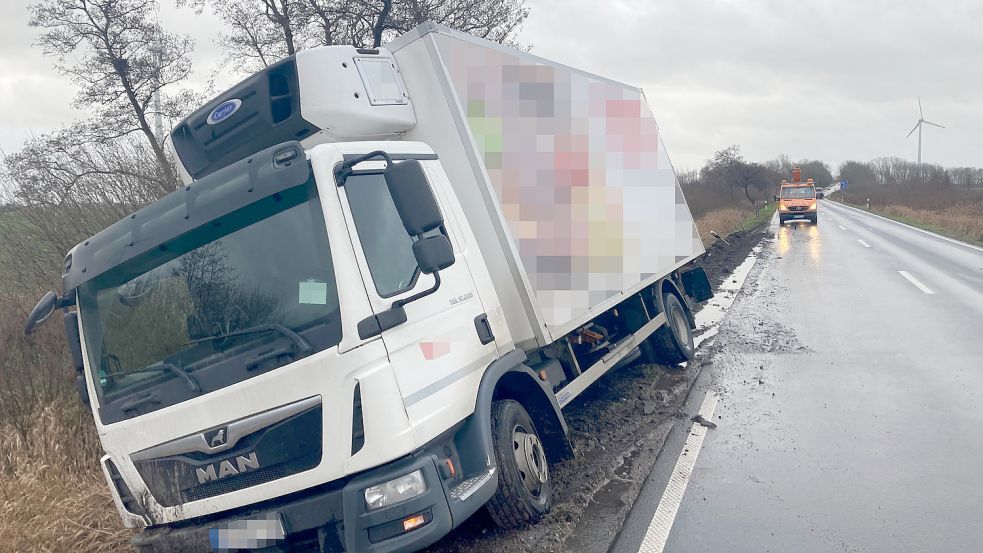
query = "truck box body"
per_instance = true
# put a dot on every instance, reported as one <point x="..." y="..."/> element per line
<point x="563" y="174"/>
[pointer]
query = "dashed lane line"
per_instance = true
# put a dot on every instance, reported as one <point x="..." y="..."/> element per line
<point x="915" y="281"/>
<point x="923" y="231"/>
<point x="862" y="243"/>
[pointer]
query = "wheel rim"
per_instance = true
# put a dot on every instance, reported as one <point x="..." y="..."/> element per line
<point x="680" y="326"/>
<point x="530" y="460"/>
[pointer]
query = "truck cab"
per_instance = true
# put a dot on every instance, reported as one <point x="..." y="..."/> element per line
<point x="272" y="359"/>
<point x="797" y="200"/>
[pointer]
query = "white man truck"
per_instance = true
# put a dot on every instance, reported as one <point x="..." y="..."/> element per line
<point x="387" y="274"/>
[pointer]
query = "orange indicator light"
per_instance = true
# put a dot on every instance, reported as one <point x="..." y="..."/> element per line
<point x="413" y="522"/>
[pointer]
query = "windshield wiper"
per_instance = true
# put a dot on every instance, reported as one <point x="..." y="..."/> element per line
<point x="303" y="347"/>
<point x="167" y="367"/>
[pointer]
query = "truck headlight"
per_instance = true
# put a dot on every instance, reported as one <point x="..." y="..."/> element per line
<point x="782" y="207"/>
<point x="812" y="207"/>
<point x="395" y="490"/>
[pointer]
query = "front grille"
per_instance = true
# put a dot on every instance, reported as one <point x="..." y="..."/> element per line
<point x="236" y="483"/>
<point x="797" y="208"/>
<point x="282" y="449"/>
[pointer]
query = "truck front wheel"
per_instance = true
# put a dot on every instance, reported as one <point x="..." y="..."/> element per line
<point x="525" y="491"/>
<point x="673" y="341"/>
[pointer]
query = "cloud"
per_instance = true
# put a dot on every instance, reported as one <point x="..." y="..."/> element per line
<point x="823" y="79"/>
<point x="827" y="79"/>
<point x="35" y="98"/>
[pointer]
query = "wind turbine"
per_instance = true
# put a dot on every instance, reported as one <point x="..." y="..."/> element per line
<point x="918" y="127"/>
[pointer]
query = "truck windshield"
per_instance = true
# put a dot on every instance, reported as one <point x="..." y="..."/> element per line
<point x="798" y="192"/>
<point x="244" y="295"/>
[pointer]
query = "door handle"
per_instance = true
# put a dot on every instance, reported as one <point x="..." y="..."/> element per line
<point x="483" y="327"/>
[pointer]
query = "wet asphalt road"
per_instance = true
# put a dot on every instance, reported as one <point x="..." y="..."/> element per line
<point x="851" y="400"/>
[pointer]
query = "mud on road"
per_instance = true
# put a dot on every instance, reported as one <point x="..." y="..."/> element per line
<point x="618" y="427"/>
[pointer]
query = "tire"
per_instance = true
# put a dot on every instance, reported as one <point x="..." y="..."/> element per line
<point x="525" y="489"/>
<point x="673" y="341"/>
<point x="815" y="219"/>
<point x="781" y="220"/>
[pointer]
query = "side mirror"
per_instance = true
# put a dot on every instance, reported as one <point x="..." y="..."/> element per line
<point x="775" y="198"/>
<point x="45" y="307"/>
<point x="417" y="207"/>
<point x="820" y="196"/>
<point x="413" y="197"/>
<point x="433" y="253"/>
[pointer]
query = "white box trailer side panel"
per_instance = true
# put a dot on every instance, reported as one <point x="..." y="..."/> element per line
<point x="439" y="126"/>
<point x="581" y="174"/>
<point x="576" y="167"/>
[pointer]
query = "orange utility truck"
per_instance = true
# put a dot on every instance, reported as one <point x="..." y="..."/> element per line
<point x="797" y="200"/>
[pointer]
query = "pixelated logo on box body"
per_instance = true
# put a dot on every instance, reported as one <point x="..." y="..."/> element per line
<point x="581" y="175"/>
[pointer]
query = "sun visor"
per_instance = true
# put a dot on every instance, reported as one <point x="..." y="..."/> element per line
<point x="146" y="234"/>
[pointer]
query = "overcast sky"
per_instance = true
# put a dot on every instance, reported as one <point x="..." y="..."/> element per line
<point x="822" y="79"/>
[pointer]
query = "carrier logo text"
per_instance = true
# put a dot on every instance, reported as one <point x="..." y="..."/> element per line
<point x="218" y="471"/>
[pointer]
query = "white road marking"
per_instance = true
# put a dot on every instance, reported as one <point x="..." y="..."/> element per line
<point x="914" y="281"/>
<point x="921" y="230"/>
<point x="862" y="243"/>
<point x="841" y="227"/>
<point x="665" y="514"/>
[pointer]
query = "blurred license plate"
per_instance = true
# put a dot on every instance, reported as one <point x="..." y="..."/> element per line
<point x="247" y="534"/>
<point x="798" y="216"/>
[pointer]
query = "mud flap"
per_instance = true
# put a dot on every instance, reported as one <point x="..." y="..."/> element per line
<point x="697" y="285"/>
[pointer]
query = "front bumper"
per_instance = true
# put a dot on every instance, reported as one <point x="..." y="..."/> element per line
<point x="331" y="519"/>
<point x="791" y="215"/>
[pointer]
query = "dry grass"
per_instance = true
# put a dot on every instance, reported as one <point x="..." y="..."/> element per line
<point x="721" y="221"/>
<point x="49" y="500"/>
<point x="726" y="220"/>
<point x="53" y="496"/>
<point x="961" y="221"/>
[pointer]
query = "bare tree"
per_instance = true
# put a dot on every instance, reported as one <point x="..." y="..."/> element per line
<point x="62" y="190"/>
<point x="120" y="58"/>
<point x="495" y="20"/>
<point x="259" y="32"/>
<point x="729" y="170"/>
<point x="262" y="32"/>
<point x="816" y="170"/>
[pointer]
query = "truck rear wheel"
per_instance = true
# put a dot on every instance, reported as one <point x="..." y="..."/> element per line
<point x="673" y="341"/>
<point x="525" y="491"/>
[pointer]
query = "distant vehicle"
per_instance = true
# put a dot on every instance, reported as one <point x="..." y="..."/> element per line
<point x="797" y="200"/>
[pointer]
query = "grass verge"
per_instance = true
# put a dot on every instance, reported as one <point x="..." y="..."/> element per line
<point x="727" y="220"/>
<point x="962" y="221"/>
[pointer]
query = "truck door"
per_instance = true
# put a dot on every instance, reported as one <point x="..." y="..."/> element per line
<point x="439" y="353"/>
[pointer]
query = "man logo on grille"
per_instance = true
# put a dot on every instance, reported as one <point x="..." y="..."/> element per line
<point x="226" y="468"/>
<point x="216" y="438"/>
